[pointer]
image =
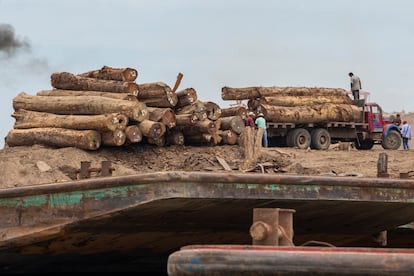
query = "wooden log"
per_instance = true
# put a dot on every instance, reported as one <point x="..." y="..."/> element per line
<point x="235" y="123"/>
<point x="186" y="120"/>
<point x="59" y="92"/>
<point x="312" y="114"/>
<point x="206" y="126"/>
<point x="109" y="73"/>
<point x="198" y="109"/>
<point x="81" y="105"/>
<point x="213" y="110"/>
<point x="152" y="129"/>
<point x="229" y="137"/>
<point x="185" y="97"/>
<point x="246" y="93"/>
<point x="234" y="111"/>
<point x="177" y="82"/>
<point x="285" y="100"/>
<point x="68" y="81"/>
<point x="57" y="137"/>
<point x="163" y="115"/>
<point x="175" y="137"/>
<point x="113" y="138"/>
<point x="133" y="134"/>
<point x="105" y="122"/>
<point x="159" y="141"/>
<point x="203" y="139"/>
<point x="157" y="94"/>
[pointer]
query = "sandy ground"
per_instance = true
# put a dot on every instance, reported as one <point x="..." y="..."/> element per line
<point x="22" y="166"/>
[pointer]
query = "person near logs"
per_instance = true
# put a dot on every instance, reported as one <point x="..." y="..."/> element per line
<point x="355" y="85"/>
<point x="250" y="120"/>
<point x="260" y="122"/>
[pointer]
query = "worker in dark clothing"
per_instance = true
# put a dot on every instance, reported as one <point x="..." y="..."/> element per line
<point x="355" y="85"/>
<point x="397" y="120"/>
<point x="250" y="120"/>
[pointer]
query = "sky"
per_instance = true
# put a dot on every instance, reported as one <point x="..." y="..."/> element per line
<point x="212" y="43"/>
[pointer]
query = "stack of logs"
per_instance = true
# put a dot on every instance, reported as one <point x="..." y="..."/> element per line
<point x="299" y="105"/>
<point x="107" y="107"/>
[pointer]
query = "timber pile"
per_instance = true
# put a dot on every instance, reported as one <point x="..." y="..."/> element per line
<point x="299" y="105"/>
<point x="107" y="107"/>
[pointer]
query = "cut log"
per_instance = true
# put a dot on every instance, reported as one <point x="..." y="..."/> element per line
<point x="59" y="92"/>
<point x="58" y="137"/>
<point x="206" y="126"/>
<point x="312" y="114"/>
<point x="246" y="93"/>
<point x="185" y="97"/>
<point x="234" y="111"/>
<point x="68" y="81"/>
<point x="163" y="115"/>
<point x="202" y="139"/>
<point x="157" y="94"/>
<point x="186" y="120"/>
<point x="229" y="137"/>
<point x="285" y="100"/>
<point x="198" y="109"/>
<point x="105" y="122"/>
<point x="159" y="141"/>
<point x="133" y="134"/>
<point x="152" y="129"/>
<point x="113" y="138"/>
<point x="235" y="123"/>
<point x="81" y="105"/>
<point x="213" y="110"/>
<point x="175" y="137"/>
<point x="109" y="73"/>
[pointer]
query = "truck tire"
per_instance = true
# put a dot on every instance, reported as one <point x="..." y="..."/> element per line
<point x="320" y="139"/>
<point x="289" y="138"/>
<point x="364" y="144"/>
<point x="301" y="138"/>
<point x="392" y="141"/>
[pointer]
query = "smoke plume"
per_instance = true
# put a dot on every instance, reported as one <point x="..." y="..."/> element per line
<point x="9" y="43"/>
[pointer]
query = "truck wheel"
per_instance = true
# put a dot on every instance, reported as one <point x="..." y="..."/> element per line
<point x="392" y="141"/>
<point x="289" y="138"/>
<point x="301" y="138"/>
<point x="364" y="145"/>
<point x="320" y="139"/>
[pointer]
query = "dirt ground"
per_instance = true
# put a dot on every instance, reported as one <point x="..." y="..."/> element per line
<point x="22" y="166"/>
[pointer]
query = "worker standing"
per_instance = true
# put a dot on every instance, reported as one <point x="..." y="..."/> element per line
<point x="250" y="119"/>
<point x="261" y="123"/>
<point x="406" y="134"/>
<point x="355" y="85"/>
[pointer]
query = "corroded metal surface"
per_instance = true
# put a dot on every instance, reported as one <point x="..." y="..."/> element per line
<point x="158" y="213"/>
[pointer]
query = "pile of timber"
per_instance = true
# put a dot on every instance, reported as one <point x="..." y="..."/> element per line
<point x="299" y="105"/>
<point x="106" y="107"/>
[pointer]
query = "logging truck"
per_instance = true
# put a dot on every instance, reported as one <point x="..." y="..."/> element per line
<point x="315" y="117"/>
<point x="368" y="129"/>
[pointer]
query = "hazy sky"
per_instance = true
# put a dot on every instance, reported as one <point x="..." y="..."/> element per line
<point x="213" y="43"/>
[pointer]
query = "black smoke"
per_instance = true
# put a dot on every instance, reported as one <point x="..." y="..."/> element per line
<point x="9" y="43"/>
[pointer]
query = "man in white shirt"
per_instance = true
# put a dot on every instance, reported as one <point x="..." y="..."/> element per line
<point x="355" y="85"/>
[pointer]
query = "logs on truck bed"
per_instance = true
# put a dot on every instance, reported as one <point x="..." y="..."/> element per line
<point x="109" y="73"/>
<point x="157" y="94"/>
<point x="152" y="129"/>
<point x="59" y="92"/>
<point x="163" y="115"/>
<point x="246" y="93"/>
<point x="213" y="110"/>
<point x="235" y="123"/>
<point x="283" y="100"/>
<point x="312" y="114"/>
<point x="234" y="111"/>
<point x="81" y="105"/>
<point x="105" y="122"/>
<point x="68" y="81"/>
<point x="133" y="134"/>
<point x="113" y="138"/>
<point x="59" y="137"/>
<point x="185" y="97"/>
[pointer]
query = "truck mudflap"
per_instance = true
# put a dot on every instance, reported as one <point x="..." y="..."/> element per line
<point x="269" y="260"/>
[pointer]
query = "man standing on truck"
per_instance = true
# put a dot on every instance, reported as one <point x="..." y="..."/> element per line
<point x="355" y="85"/>
<point x="406" y="134"/>
<point x="261" y="123"/>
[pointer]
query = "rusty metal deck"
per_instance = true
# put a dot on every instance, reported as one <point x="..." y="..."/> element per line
<point x="154" y="214"/>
